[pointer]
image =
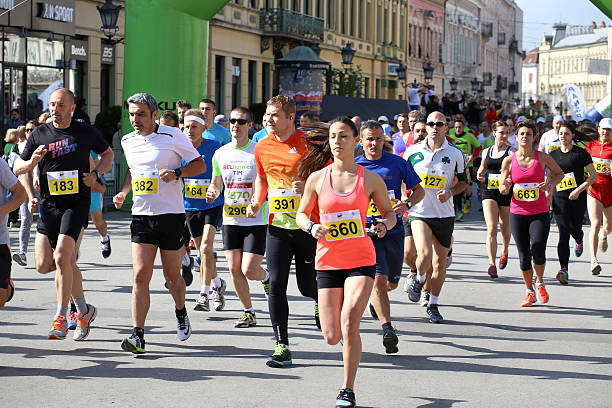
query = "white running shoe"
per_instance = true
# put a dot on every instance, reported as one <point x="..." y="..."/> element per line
<point x="183" y="328"/>
<point x="218" y="297"/>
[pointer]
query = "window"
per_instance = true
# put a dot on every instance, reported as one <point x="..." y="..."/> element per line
<point x="220" y="82"/>
<point x="265" y="81"/>
<point x="236" y="85"/>
<point x="377" y="88"/>
<point x="252" y="83"/>
<point x="366" y="86"/>
<point x="343" y="17"/>
<point x="530" y="77"/>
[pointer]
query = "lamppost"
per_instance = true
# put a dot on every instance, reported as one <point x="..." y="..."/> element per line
<point x="401" y="74"/>
<point x="109" y="14"/>
<point x="545" y="107"/>
<point x="497" y="93"/>
<point x="347" y="55"/>
<point x="453" y="84"/>
<point x="475" y="85"/>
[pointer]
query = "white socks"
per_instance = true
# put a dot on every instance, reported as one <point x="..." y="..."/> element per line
<point x="216" y="282"/>
<point x="421" y="278"/>
<point x="433" y="300"/>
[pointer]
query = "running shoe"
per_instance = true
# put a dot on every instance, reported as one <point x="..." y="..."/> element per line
<point x="196" y="264"/>
<point x="106" y="248"/>
<point x="281" y="356"/>
<point x="346" y="399"/>
<point x="20" y="258"/>
<point x="372" y="311"/>
<point x="459" y="217"/>
<point x="503" y="261"/>
<point x="246" y="320"/>
<point x="449" y="258"/>
<point x="218" y="296"/>
<point x="425" y="298"/>
<point x="492" y="271"/>
<point x="134" y="344"/>
<point x="530" y="298"/>
<point x="542" y="293"/>
<point x="72" y="321"/>
<point x="414" y="294"/>
<point x="578" y="248"/>
<point x="390" y="341"/>
<point x="595" y="267"/>
<point x="434" y="314"/>
<point x="183" y="328"/>
<point x="603" y="244"/>
<point x="408" y="282"/>
<point x="466" y="208"/>
<point x="316" y="315"/>
<point x="84" y="322"/>
<point x="562" y="276"/>
<point x="186" y="272"/>
<point x="59" y="328"/>
<point x="202" y="304"/>
<point x="266" y="286"/>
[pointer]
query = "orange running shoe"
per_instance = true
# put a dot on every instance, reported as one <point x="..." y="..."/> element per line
<point x="542" y="294"/>
<point x="530" y="299"/>
<point x="503" y="261"/>
<point x="59" y="328"/>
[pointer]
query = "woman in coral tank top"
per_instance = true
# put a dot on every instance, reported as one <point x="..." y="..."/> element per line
<point x="345" y="257"/>
<point x="533" y="174"/>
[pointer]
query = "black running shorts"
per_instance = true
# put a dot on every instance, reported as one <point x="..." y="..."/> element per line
<point x="196" y="220"/>
<point x="165" y="230"/>
<point x="251" y="239"/>
<point x="442" y="228"/>
<point x="335" y="278"/>
<point x="5" y="266"/>
<point x="55" y="220"/>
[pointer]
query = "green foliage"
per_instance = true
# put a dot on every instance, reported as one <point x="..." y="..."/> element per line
<point x="106" y="122"/>
<point x="348" y="82"/>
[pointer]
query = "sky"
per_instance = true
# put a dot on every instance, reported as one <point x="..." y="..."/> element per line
<point x="540" y="15"/>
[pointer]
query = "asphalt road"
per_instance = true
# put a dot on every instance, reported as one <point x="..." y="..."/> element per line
<point x="489" y="352"/>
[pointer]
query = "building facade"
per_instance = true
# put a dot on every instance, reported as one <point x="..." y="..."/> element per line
<point x="502" y="44"/>
<point x="55" y="43"/>
<point x="529" y="84"/>
<point x="574" y="55"/>
<point x="248" y="36"/>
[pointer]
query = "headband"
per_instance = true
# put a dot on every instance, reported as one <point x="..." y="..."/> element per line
<point x="197" y="119"/>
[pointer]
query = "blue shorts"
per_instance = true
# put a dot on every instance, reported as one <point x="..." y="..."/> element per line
<point x="96" y="202"/>
<point x="390" y="256"/>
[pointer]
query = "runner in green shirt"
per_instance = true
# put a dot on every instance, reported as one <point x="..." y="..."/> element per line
<point x="470" y="147"/>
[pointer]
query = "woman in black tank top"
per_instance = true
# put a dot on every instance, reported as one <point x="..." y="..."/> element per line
<point x="495" y="205"/>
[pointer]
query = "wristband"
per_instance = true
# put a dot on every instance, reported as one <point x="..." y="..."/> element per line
<point x="309" y="227"/>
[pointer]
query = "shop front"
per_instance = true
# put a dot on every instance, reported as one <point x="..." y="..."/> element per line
<point x="36" y="55"/>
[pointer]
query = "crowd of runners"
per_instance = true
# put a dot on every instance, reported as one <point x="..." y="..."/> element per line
<point x="347" y="202"/>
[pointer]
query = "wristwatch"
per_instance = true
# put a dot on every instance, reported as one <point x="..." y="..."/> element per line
<point x="408" y="203"/>
<point x="178" y="172"/>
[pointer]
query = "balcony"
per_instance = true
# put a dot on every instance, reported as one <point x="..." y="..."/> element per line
<point x="287" y="23"/>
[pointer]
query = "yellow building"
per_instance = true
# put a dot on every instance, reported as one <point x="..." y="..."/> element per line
<point x="574" y="55"/>
<point x="246" y="37"/>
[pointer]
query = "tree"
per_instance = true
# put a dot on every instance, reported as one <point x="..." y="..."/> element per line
<point x="348" y="82"/>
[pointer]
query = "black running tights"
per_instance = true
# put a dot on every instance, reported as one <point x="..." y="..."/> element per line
<point x="530" y="233"/>
<point x="569" y="215"/>
<point x="281" y="246"/>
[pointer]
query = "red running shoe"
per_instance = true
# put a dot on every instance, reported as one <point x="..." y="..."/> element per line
<point x="542" y="294"/>
<point x="530" y="299"/>
<point x="492" y="271"/>
<point x="503" y="261"/>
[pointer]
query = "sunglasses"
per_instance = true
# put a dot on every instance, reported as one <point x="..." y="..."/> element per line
<point x="439" y="124"/>
<point x="29" y="130"/>
<point x="240" y="121"/>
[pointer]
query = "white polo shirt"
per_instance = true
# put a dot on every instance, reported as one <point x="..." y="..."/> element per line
<point x="547" y="138"/>
<point x="146" y="156"/>
<point x="437" y="170"/>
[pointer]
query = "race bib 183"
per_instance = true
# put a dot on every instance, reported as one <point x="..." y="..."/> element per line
<point x="63" y="182"/>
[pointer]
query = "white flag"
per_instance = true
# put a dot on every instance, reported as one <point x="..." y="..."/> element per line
<point x="575" y="101"/>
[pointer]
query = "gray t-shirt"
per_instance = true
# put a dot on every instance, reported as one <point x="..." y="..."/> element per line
<point x="7" y="181"/>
